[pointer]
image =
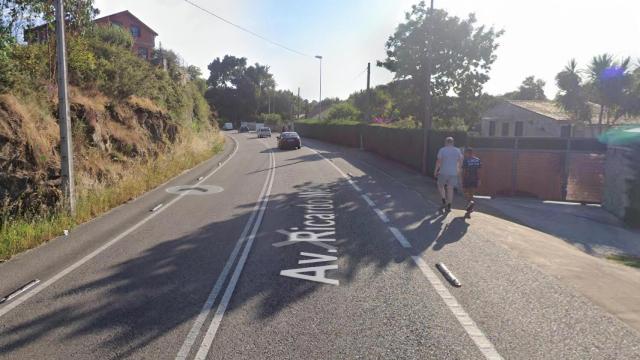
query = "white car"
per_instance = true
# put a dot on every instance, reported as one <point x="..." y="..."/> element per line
<point x="264" y="132"/>
<point x="227" y="126"/>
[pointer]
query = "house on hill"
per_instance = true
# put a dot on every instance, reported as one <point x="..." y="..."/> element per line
<point x="540" y="118"/>
<point x="144" y="37"/>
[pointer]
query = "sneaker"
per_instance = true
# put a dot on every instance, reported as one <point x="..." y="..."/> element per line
<point x="467" y="215"/>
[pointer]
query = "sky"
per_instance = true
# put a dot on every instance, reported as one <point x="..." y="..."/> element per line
<point x="540" y="36"/>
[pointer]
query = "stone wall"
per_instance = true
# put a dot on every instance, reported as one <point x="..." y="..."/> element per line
<point x="616" y="180"/>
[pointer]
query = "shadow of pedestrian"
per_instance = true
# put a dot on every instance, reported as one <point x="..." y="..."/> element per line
<point x="452" y="232"/>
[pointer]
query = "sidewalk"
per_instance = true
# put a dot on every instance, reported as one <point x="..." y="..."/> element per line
<point x="559" y="239"/>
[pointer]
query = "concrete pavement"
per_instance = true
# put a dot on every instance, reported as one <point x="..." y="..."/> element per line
<point x="304" y="254"/>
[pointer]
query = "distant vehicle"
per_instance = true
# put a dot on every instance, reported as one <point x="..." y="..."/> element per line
<point x="227" y="126"/>
<point x="289" y="140"/>
<point x="243" y="129"/>
<point x="264" y="132"/>
<point x="259" y="126"/>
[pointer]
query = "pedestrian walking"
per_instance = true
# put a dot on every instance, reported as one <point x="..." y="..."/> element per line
<point x="471" y="166"/>
<point x="447" y="171"/>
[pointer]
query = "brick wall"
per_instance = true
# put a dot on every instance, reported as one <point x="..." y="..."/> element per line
<point x="544" y="168"/>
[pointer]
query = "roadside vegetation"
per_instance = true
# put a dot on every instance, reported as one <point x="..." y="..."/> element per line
<point x="135" y="124"/>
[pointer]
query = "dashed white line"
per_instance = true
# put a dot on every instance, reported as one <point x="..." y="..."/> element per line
<point x="381" y="215"/>
<point x="368" y="200"/>
<point x="400" y="237"/>
<point x="477" y="336"/>
<point x="107" y="245"/>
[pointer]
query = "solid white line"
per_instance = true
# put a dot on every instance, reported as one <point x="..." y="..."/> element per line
<point x="478" y="337"/>
<point x="184" y="351"/>
<point x="400" y="237"/>
<point x="102" y="248"/>
<point x="222" y="307"/>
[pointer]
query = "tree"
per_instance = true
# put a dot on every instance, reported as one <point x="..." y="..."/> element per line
<point x="455" y="52"/>
<point x="530" y="89"/>
<point x="571" y="96"/>
<point x="344" y="110"/>
<point x="610" y="81"/>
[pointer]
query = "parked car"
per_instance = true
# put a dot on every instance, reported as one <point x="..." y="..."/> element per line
<point x="264" y="132"/>
<point x="289" y="140"/>
<point x="227" y="126"/>
<point x="243" y="129"/>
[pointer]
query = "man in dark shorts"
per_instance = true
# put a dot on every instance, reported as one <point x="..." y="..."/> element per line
<point x="471" y="166"/>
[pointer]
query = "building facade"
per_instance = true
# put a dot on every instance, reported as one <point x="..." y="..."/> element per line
<point x="526" y="118"/>
<point x="144" y="38"/>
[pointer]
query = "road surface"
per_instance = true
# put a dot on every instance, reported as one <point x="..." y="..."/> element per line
<point x="303" y="254"/>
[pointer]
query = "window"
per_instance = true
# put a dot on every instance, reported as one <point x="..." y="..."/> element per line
<point x="115" y="23"/>
<point x="519" y="128"/>
<point x="492" y="128"/>
<point x="505" y="129"/>
<point x="565" y="131"/>
<point x="142" y="52"/>
<point x="135" y="31"/>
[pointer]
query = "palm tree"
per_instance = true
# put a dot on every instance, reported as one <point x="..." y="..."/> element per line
<point x="599" y="64"/>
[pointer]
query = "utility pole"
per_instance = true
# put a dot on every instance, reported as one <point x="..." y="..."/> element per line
<point x="427" y="122"/>
<point x="320" y="97"/>
<point x="298" y="116"/>
<point x="368" y="114"/>
<point x="66" y="144"/>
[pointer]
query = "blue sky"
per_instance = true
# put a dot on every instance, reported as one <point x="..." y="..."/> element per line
<point x="541" y="36"/>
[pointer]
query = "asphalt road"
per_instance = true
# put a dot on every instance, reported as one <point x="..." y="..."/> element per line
<point x="298" y="254"/>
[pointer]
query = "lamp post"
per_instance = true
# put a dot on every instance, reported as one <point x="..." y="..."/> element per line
<point x="320" y="97"/>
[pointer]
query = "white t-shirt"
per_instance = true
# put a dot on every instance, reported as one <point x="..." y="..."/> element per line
<point x="449" y="157"/>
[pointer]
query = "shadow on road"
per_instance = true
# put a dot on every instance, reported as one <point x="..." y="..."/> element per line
<point x="163" y="288"/>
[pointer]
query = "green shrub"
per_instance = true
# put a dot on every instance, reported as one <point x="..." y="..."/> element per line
<point x="81" y="62"/>
<point x="111" y="35"/>
<point x="271" y="119"/>
<point x="343" y="110"/>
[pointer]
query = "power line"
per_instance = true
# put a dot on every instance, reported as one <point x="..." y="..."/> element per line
<point x="246" y="30"/>
<point x="360" y="74"/>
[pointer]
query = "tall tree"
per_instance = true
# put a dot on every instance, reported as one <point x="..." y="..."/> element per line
<point x="530" y="89"/>
<point x="610" y="80"/>
<point x="571" y="96"/>
<point x="449" y="53"/>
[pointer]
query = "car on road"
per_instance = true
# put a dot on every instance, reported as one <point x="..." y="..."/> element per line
<point x="243" y="129"/>
<point x="289" y="140"/>
<point x="264" y="132"/>
<point x="227" y="126"/>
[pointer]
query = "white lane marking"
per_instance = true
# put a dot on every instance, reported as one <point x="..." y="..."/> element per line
<point x="224" y="302"/>
<point x="368" y="200"/>
<point x="157" y="207"/>
<point x="185" y="349"/>
<point x="478" y="337"/>
<point x="351" y="182"/>
<point x="480" y="340"/>
<point x="102" y="248"/>
<point x="381" y="215"/>
<point x="400" y="237"/>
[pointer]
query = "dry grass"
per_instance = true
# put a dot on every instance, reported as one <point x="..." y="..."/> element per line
<point x="94" y="198"/>
<point x="41" y="132"/>
<point x="144" y="103"/>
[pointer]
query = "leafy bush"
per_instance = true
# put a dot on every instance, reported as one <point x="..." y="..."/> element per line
<point x="344" y="110"/>
<point x="112" y="35"/>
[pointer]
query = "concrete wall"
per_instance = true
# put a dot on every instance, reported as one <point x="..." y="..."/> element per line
<point x="617" y="171"/>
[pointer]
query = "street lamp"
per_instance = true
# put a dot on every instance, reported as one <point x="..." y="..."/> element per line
<point x="320" y="97"/>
